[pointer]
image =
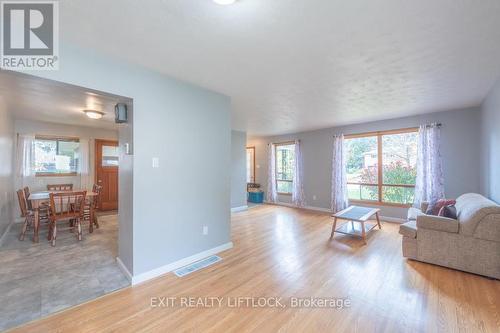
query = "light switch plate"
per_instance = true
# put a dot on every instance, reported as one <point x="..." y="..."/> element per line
<point x="156" y="162"/>
<point x="205" y="230"/>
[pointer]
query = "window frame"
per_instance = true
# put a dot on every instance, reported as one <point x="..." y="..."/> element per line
<point x="276" y="145"/>
<point x="380" y="184"/>
<point x="253" y="163"/>
<point x="57" y="139"/>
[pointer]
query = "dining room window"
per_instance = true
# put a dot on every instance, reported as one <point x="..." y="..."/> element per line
<point x="381" y="166"/>
<point x="285" y="163"/>
<point x="56" y="156"/>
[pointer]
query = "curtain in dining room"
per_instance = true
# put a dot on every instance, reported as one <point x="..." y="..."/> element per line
<point x="429" y="185"/>
<point x="339" y="175"/>
<point x="272" y="193"/>
<point x="84" y="168"/>
<point x="25" y="160"/>
<point x="298" y="197"/>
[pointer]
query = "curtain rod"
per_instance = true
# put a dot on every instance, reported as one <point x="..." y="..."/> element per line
<point x="389" y="131"/>
<point x="283" y="143"/>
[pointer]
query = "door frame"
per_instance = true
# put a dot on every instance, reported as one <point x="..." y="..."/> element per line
<point x="97" y="159"/>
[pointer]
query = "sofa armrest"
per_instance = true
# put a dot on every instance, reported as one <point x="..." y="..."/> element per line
<point x="437" y="223"/>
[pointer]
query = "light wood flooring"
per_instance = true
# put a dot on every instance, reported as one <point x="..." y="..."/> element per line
<point x="285" y="252"/>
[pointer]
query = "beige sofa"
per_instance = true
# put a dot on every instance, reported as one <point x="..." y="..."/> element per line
<point x="471" y="243"/>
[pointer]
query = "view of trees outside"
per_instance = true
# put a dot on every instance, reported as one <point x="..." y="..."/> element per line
<point x="361" y="166"/>
<point x="399" y="157"/>
<point x="56" y="156"/>
<point x="285" y="159"/>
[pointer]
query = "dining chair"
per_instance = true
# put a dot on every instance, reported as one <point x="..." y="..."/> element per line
<point x="60" y="187"/>
<point x="66" y="206"/>
<point x="43" y="210"/>
<point x="94" y="201"/>
<point x="28" y="215"/>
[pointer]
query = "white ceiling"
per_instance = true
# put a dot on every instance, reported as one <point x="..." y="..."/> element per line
<point x="300" y="65"/>
<point x="32" y="98"/>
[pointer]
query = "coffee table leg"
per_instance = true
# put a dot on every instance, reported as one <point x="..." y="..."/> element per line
<point x="333" y="227"/>
<point x="378" y="220"/>
<point x="363" y="232"/>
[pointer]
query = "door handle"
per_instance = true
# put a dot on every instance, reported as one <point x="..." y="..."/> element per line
<point x="99" y="181"/>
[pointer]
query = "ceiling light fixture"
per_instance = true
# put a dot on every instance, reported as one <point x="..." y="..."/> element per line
<point x="93" y="114"/>
<point x="224" y="2"/>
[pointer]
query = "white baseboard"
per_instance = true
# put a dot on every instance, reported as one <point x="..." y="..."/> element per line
<point x="239" y="209"/>
<point x="325" y="210"/>
<point x="124" y="269"/>
<point x="143" y="277"/>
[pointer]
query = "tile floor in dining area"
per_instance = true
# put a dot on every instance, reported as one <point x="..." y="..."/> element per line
<point x="38" y="279"/>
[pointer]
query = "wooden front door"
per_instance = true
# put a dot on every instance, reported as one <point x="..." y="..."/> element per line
<point x="106" y="173"/>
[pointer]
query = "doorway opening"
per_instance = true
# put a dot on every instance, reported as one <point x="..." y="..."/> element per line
<point x="59" y="152"/>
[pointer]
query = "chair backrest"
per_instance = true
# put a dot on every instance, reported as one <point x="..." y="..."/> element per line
<point x="60" y="187"/>
<point x="96" y="189"/>
<point x="67" y="204"/>
<point x="26" y="196"/>
<point x="22" y="203"/>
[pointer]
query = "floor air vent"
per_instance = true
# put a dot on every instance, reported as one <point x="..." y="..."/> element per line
<point x="197" y="266"/>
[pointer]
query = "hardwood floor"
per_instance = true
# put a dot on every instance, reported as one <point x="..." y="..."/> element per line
<point x="284" y="252"/>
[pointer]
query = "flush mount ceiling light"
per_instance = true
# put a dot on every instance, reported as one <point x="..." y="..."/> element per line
<point x="224" y="2"/>
<point x="93" y="114"/>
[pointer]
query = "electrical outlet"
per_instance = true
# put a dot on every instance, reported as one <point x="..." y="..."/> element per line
<point x="314" y="197"/>
<point x="205" y="230"/>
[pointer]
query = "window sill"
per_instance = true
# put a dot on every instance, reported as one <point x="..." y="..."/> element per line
<point x="284" y="193"/>
<point x="379" y="203"/>
<point x="72" y="174"/>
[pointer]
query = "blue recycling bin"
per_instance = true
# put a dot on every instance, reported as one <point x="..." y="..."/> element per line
<point x="256" y="197"/>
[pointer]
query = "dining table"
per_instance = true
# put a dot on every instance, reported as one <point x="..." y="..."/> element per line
<point x="37" y="199"/>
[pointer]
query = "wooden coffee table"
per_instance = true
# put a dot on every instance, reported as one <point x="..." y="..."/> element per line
<point x="359" y="215"/>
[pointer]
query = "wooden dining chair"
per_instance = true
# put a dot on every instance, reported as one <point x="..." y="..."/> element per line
<point x="43" y="210"/>
<point x="28" y="215"/>
<point x="66" y="206"/>
<point x="94" y="201"/>
<point x="60" y="187"/>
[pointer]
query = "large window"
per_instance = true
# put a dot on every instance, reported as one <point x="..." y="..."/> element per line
<point x="381" y="166"/>
<point x="285" y="159"/>
<point x="250" y="164"/>
<point x="56" y="156"/>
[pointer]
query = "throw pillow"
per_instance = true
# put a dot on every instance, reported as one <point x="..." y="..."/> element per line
<point x="449" y="211"/>
<point x="435" y="207"/>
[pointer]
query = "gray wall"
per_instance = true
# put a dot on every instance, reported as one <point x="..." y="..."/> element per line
<point x="460" y="143"/>
<point x="188" y="129"/>
<point x="238" y="169"/>
<point x="7" y="197"/>
<point x="490" y="144"/>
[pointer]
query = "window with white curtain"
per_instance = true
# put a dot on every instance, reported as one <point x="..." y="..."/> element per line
<point x="285" y="165"/>
<point x="56" y="156"/>
<point x="381" y="166"/>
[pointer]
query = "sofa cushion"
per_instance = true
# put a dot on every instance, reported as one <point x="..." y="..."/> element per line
<point x="409" y="229"/>
<point x="471" y="209"/>
<point x="449" y="211"/>
<point x="435" y="207"/>
<point x="413" y="213"/>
